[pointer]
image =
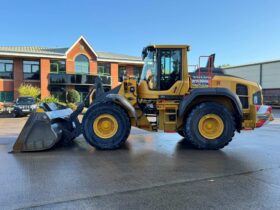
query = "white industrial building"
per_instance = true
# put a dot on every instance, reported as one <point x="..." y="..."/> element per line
<point x="267" y="74"/>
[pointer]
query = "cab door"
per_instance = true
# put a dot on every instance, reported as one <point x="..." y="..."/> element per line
<point x="168" y="81"/>
<point x="170" y="68"/>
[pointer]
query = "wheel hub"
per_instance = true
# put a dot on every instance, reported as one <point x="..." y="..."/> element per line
<point x="105" y="126"/>
<point x="211" y="126"/>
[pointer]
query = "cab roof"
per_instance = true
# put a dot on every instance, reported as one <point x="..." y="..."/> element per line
<point x="169" y="46"/>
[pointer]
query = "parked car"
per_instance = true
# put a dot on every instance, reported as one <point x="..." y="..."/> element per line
<point x="24" y="106"/>
<point x="1" y="106"/>
<point x="6" y="107"/>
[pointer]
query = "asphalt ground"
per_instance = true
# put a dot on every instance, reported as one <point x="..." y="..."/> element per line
<point x="151" y="171"/>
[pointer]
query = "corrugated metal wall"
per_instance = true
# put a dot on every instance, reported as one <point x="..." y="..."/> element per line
<point x="266" y="74"/>
<point x="251" y="73"/>
<point x="271" y="75"/>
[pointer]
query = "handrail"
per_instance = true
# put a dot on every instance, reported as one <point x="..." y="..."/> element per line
<point x="80" y="79"/>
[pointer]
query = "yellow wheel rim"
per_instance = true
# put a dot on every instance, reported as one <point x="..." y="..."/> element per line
<point x="211" y="126"/>
<point x="105" y="126"/>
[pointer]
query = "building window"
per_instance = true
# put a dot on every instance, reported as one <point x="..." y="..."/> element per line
<point x="83" y="91"/>
<point x="58" y="66"/>
<point x="6" y="69"/>
<point x="137" y="70"/>
<point x="58" y="92"/>
<point x="122" y="73"/>
<point x="104" y="69"/>
<point x="6" y="96"/>
<point x="31" y="70"/>
<point x="104" y="72"/>
<point x="81" y="64"/>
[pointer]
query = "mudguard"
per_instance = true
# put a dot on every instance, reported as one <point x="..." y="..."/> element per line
<point x="123" y="102"/>
<point x="200" y="92"/>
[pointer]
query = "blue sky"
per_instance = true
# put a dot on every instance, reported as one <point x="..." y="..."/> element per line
<point x="237" y="31"/>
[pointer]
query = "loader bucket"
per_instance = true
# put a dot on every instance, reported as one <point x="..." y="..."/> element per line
<point x="51" y="124"/>
<point x="43" y="130"/>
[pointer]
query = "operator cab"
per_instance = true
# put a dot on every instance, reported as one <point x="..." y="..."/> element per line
<point x="162" y="66"/>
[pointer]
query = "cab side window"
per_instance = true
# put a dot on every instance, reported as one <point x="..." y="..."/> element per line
<point x="170" y="67"/>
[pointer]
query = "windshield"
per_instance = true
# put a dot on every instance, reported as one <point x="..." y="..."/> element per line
<point x="149" y="72"/>
<point x="25" y="100"/>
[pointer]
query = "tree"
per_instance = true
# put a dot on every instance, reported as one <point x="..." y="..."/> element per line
<point x="29" y="90"/>
<point x="73" y="96"/>
<point x="49" y="99"/>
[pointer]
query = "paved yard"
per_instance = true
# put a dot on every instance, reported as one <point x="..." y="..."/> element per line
<point x="152" y="171"/>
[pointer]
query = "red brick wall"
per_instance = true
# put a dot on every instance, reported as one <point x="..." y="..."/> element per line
<point x="70" y="67"/>
<point x="93" y="67"/>
<point x="6" y="85"/>
<point x="80" y="48"/>
<point x="45" y="70"/>
<point x="114" y="74"/>
<point x="129" y="71"/>
<point x="18" y="75"/>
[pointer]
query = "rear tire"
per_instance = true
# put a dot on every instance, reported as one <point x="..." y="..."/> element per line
<point x="181" y="133"/>
<point x="106" y="126"/>
<point x="210" y="126"/>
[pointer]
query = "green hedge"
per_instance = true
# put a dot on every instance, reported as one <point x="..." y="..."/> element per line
<point x="73" y="96"/>
<point x="29" y="90"/>
<point x="49" y="99"/>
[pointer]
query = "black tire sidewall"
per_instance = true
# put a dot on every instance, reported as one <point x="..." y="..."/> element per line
<point x="123" y="126"/>
<point x="198" y="113"/>
<point x="181" y="133"/>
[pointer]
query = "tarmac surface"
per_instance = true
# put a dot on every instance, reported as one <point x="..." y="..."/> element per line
<point x="152" y="171"/>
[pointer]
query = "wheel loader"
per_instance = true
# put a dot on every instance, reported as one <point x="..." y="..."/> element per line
<point x="164" y="99"/>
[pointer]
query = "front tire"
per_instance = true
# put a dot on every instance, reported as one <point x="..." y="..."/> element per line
<point x="106" y="126"/>
<point x="210" y="126"/>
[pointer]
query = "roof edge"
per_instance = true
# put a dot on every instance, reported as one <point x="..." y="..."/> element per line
<point x="32" y="55"/>
<point x="79" y="39"/>
<point x="119" y="60"/>
<point x="252" y="64"/>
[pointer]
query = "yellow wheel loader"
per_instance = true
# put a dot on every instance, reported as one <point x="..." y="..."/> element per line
<point x="164" y="99"/>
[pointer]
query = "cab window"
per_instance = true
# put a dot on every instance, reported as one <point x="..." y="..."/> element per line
<point x="170" y="67"/>
<point x="149" y="72"/>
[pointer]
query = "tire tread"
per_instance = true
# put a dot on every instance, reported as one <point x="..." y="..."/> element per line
<point x="115" y="107"/>
<point x="188" y="131"/>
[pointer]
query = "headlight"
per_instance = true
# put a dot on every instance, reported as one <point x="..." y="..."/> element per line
<point x="257" y="99"/>
<point x="34" y="106"/>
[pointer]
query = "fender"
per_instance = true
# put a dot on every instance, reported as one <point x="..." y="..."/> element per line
<point x="123" y="102"/>
<point x="200" y="92"/>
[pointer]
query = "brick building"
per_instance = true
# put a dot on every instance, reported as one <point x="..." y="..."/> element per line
<point x="57" y="69"/>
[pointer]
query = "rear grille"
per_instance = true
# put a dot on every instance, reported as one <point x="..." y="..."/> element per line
<point x="244" y="102"/>
<point x="242" y="92"/>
